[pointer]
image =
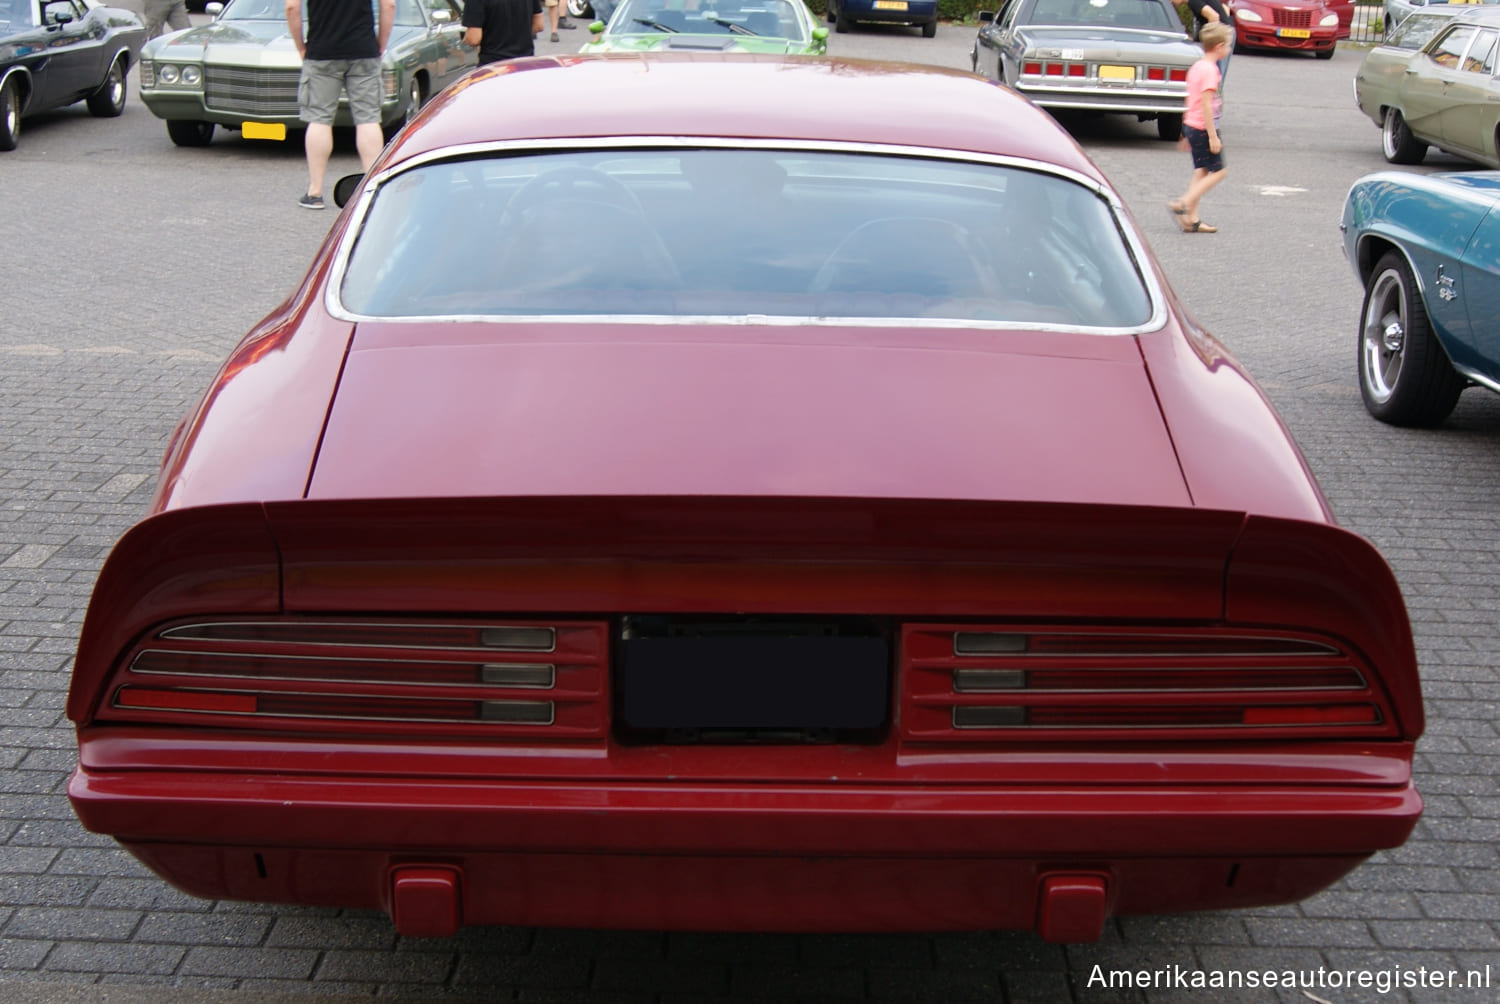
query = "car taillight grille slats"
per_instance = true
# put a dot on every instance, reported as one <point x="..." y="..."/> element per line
<point x="981" y="684"/>
<point x="509" y="678"/>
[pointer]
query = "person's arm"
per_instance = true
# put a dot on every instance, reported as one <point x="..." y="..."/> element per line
<point x="387" y="18"/>
<point x="294" y="26"/>
<point x="1206" y="101"/>
<point x="473" y="36"/>
<point x="538" y="20"/>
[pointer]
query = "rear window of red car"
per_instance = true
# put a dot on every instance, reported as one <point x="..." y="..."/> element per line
<point x="742" y="232"/>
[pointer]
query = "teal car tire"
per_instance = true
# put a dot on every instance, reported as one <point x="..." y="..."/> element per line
<point x="1405" y="377"/>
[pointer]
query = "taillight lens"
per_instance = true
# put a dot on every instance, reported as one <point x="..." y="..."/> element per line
<point x="531" y="679"/>
<point x="980" y="684"/>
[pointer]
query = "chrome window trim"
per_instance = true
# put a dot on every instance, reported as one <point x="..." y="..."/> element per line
<point x="1134" y="243"/>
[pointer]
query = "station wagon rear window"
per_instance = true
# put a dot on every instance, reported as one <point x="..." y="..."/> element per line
<point x="731" y="232"/>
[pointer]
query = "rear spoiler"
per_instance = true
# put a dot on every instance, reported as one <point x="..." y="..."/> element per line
<point x="906" y="558"/>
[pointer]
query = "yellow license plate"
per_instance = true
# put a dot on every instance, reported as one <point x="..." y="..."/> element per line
<point x="890" y="4"/>
<point x="1116" y="72"/>
<point x="1293" y="33"/>
<point x="1466" y="1"/>
<point x="263" y="130"/>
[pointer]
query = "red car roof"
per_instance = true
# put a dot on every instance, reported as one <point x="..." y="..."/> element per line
<point x="757" y="97"/>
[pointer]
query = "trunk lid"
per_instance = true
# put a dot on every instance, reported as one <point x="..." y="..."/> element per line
<point x="466" y="410"/>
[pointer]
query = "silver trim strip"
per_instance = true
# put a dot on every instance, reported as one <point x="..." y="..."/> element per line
<point x="175" y="633"/>
<point x="479" y="676"/>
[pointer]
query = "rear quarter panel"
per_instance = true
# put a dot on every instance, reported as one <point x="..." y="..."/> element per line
<point x="1431" y="221"/>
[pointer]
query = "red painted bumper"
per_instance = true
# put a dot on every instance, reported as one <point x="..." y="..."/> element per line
<point x="1265" y="37"/>
<point x="740" y="856"/>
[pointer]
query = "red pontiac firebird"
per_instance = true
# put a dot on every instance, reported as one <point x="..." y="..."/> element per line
<point x="778" y="494"/>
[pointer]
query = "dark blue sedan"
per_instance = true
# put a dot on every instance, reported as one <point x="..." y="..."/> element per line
<point x="1427" y="249"/>
<point x="922" y="13"/>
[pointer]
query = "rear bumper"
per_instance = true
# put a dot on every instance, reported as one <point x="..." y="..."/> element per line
<point x="804" y="857"/>
<point x="1139" y="101"/>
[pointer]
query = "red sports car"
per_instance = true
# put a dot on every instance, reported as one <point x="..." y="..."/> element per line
<point x="1302" y="25"/>
<point x="779" y="494"/>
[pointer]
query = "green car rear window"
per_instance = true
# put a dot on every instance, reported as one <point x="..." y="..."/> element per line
<point x="720" y="232"/>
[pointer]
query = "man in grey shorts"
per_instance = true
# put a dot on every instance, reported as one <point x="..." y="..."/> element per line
<point x="341" y="52"/>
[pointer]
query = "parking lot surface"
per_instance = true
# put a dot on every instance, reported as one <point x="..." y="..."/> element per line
<point x="129" y="268"/>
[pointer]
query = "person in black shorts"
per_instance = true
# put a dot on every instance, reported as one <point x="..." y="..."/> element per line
<point x="502" y="29"/>
<point x="341" y="52"/>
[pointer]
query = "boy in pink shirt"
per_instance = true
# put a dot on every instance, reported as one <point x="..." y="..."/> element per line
<point x="1200" y="128"/>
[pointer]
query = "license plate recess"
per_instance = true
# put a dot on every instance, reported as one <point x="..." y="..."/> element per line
<point x="757" y="686"/>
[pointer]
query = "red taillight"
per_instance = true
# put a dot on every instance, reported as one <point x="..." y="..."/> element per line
<point x="1032" y="68"/>
<point x="1078" y="70"/>
<point x="542" y="680"/>
<point x="185" y="700"/>
<point x="1054" y="69"/>
<point x="977" y="684"/>
<point x="1156" y="73"/>
<point x="1178" y="76"/>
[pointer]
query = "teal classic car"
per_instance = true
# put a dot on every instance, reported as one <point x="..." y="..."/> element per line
<point x="1427" y="250"/>
<point x="240" y="71"/>
<point x="771" y="26"/>
<point x="1433" y="82"/>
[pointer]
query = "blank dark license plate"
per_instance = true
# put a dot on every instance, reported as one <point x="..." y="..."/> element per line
<point x="754" y="682"/>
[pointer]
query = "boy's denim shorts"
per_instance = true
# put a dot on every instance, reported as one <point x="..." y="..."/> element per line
<point x="1202" y="156"/>
<point x="323" y="79"/>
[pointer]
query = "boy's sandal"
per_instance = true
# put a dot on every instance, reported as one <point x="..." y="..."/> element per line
<point x="1199" y="227"/>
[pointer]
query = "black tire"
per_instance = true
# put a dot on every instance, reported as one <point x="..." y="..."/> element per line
<point x="1326" y="53"/>
<point x="1405" y="377"/>
<point x="831" y="12"/>
<point x="10" y="116"/>
<point x="1397" y="142"/>
<point x="190" y="132"/>
<point x="929" y="30"/>
<point x="1169" y="126"/>
<point x="580" y="9"/>
<point x="842" y="22"/>
<point x="109" y="100"/>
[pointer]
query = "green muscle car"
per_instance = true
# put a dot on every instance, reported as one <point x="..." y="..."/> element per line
<point x="241" y="70"/>
<point x="774" y="26"/>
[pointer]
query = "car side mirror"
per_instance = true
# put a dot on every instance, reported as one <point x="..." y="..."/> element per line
<point x="820" y="34"/>
<point x="597" y="28"/>
<point x="442" y="16"/>
<point x="214" y="9"/>
<point x="343" y="189"/>
<point x="57" y="13"/>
